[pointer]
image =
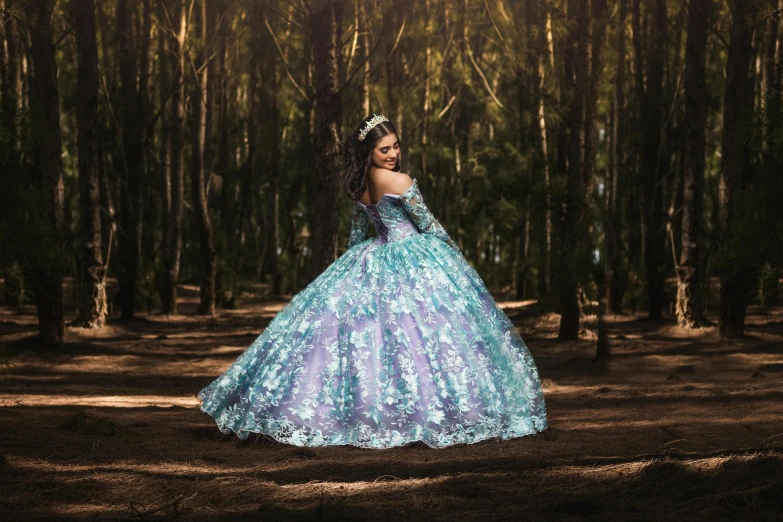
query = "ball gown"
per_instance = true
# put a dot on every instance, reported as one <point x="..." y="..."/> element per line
<point x="397" y="341"/>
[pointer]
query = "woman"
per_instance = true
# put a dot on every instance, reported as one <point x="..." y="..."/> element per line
<point x="397" y="341"/>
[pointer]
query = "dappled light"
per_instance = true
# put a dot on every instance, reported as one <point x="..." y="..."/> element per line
<point x="543" y="236"/>
<point x="673" y="426"/>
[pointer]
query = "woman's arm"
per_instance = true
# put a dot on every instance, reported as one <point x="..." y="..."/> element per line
<point x="413" y="203"/>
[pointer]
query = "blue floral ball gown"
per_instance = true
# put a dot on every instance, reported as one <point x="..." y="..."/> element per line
<point x="397" y="341"/>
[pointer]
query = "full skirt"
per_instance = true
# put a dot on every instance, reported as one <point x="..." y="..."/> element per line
<point x="393" y="343"/>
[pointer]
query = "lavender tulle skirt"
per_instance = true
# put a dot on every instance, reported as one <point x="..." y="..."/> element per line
<point x="394" y="342"/>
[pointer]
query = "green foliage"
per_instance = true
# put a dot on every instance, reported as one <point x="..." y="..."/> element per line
<point x="482" y="173"/>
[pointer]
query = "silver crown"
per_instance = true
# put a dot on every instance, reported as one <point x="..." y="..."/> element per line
<point x="376" y="119"/>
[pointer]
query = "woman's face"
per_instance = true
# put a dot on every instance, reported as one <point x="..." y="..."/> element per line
<point x="387" y="152"/>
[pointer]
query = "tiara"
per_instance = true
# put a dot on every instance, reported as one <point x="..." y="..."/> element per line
<point x="371" y="125"/>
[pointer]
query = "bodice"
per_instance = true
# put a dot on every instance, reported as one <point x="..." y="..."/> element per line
<point x="390" y="218"/>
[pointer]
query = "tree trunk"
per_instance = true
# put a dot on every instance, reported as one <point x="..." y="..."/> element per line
<point x="633" y="189"/>
<point x="271" y="78"/>
<point x="735" y="279"/>
<point x="326" y="30"/>
<point x="578" y="15"/>
<point x="12" y="76"/>
<point x="540" y="164"/>
<point x="48" y="277"/>
<point x="591" y="103"/>
<point x="130" y="166"/>
<point x="690" y="308"/>
<point x="614" y="279"/>
<point x="200" y="106"/>
<point x="771" y="95"/>
<point x="164" y="188"/>
<point x="395" y="76"/>
<point x="650" y="165"/>
<point x="172" y="248"/>
<point x="364" y="25"/>
<point x="427" y="105"/>
<point x="10" y="100"/>
<point x="92" y="295"/>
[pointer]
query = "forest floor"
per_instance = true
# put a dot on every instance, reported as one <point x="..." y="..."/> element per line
<point x="675" y="425"/>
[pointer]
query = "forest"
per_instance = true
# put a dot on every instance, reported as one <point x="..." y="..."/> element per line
<point x="574" y="149"/>
<point x="170" y="177"/>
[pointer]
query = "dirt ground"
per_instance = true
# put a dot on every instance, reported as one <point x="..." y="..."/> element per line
<point x="675" y="426"/>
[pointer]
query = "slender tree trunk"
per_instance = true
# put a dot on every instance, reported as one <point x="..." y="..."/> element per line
<point x="771" y="98"/>
<point x="172" y="250"/>
<point x="48" y="278"/>
<point x="198" y="175"/>
<point x="735" y="279"/>
<point x="650" y="167"/>
<point x="254" y="158"/>
<point x="92" y="295"/>
<point x="12" y="76"/>
<point x="598" y="37"/>
<point x="273" y="210"/>
<point x="637" y="120"/>
<point x="771" y="94"/>
<point x="164" y="190"/>
<point x="325" y="27"/>
<point x="540" y="165"/>
<point x="271" y="106"/>
<point x="107" y="143"/>
<point x="578" y="15"/>
<point x="614" y="279"/>
<point x="133" y="63"/>
<point x="364" y="25"/>
<point x="425" y="117"/>
<point x="10" y="100"/>
<point x="591" y="103"/>
<point x="395" y="75"/>
<point x="690" y="308"/>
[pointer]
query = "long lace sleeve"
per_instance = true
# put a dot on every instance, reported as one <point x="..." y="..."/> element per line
<point x="413" y="203"/>
<point x="360" y="224"/>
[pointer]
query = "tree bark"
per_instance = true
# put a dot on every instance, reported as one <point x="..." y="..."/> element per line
<point x="133" y="64"/>
<point x="690" y="308"/>
<point x="537" y="62"/>
<point x="175" y="180"/>
<point x="578" y="15"/>
<point x="48" y="277"/>
<point x="364" y="25"/>
<point x="427" y="102"/>
<point x="735" y="279"/>
<point x="650" y="166"/>
<point x="11" y="76"/>
<point x="613" y="275"/>
<point x="395" y="76"/>
<point x="326" y="29"/>
<point x="271" y="78"/>
<point x="92" y="295"/>
<point x="200" y="107"/>
<point x="164" y="188"/>
<point x="591" y="103"/>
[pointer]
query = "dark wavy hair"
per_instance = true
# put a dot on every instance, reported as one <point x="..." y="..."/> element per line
<point x="358" y="156"/>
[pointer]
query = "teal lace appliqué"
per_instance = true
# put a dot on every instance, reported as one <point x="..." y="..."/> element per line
<point x="413" y="203"/>
<point x="360" y="223"/>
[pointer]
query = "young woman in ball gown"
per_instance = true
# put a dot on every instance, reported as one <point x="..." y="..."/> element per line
<point x="397" y="341"/>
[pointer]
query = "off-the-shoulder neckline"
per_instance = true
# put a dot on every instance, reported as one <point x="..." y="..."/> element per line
<point x="398" y="196"/>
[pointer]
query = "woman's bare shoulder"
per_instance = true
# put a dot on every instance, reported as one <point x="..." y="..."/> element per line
<point x="396" y="182"/>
